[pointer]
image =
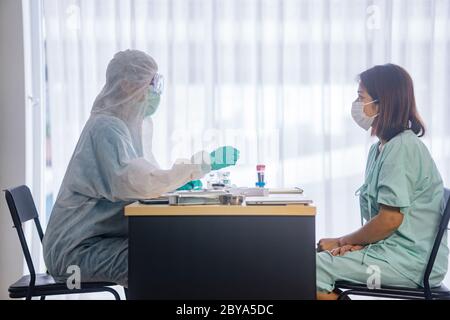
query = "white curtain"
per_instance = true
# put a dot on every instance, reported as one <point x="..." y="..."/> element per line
<point x="275" y="78"/>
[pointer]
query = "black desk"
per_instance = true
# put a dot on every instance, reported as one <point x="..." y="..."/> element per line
<point x="221" y="252"/>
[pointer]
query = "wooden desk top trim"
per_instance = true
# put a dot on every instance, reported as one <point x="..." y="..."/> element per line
<point x="137" y="209"/>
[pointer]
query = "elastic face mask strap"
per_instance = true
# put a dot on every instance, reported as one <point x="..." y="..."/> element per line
<point x="374" y="101"/>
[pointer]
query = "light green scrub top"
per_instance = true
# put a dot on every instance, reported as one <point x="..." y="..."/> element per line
<point x="402" y="174"/>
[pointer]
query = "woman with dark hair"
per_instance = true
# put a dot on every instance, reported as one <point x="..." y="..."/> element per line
<point x="401" y="199"/>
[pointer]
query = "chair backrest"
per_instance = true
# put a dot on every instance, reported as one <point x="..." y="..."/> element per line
<point x="22" y="209"/>
<point x="437" y="242"/>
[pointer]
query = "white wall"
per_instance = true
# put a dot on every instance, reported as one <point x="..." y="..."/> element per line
<point x="12" y="134"/>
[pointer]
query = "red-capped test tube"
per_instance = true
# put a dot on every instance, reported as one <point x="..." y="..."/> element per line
<point x="260" y="171"/>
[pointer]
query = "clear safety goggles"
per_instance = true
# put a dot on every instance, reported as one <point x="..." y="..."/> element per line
<point x="157" y="84"/>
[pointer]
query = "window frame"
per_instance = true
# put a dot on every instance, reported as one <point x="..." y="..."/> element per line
<point x="34" y="62"/>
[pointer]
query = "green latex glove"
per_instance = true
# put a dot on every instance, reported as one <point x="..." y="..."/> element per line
<point x="192" y="185"/>
<point x="224" y="157"/>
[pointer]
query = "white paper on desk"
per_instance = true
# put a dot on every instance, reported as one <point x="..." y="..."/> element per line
<point x="279" y="199"/>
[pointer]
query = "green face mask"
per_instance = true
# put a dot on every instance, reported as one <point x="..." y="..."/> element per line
<point x="152" y="103"/>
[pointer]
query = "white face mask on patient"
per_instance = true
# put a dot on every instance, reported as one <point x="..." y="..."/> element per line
<point x="360" y="117"/>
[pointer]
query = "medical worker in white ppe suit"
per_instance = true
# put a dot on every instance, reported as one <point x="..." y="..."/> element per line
<point x="108" y="171"/>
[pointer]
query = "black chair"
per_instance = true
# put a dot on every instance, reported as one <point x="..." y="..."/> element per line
<point x="23" y="209"/>
<point x="420" y="293"/>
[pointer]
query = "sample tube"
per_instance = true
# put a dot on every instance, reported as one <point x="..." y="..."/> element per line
<point x="260" y="171"/>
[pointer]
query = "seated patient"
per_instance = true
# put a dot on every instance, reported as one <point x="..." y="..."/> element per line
<point x="108" y="171"/>
<point x="401" y="199"/>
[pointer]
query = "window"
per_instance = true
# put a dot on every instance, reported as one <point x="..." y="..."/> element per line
<point x="276" y="78"/>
